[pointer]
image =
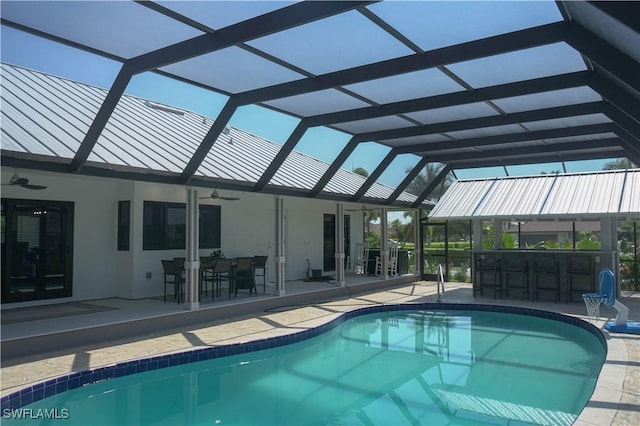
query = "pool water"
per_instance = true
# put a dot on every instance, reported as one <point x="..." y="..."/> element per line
<point x="389" y="368"/>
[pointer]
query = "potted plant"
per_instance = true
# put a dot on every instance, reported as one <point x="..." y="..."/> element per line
<point x="217" y="254"/>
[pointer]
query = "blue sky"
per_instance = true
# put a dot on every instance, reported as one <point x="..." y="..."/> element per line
<point x="323" y="143"/>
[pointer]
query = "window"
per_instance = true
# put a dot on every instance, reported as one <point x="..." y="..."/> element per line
<point x="124" y="209"/>
<point x="165" y="225"/>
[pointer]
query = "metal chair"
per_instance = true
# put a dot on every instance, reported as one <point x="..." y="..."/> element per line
<point x="580" y="270"/>
<point x="207" y="264"/>
<point x="221" y="272"/>
<point x="173" y="277"/>
<point x="546" y="276"/>
<point x="242" y="276"/>
<point x="519" y="268"/>
<point x="260" y="262"/>
<point x="487" y="264"/>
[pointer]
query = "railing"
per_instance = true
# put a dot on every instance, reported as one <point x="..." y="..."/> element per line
<point x="440" y="282"/>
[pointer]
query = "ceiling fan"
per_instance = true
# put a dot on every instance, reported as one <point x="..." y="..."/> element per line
<point x="361" y="209"/>
<point x="23" y="182"/>
<point x="215" y="196"/>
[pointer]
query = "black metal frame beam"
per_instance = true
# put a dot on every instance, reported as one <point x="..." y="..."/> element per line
<point x="334" y="166"/>
<point x="494" y="120"/>
<point x="520" y="88"/>
<point x="281" y="19"/>
<point x="575" y="156"/>
<point x="207" y="142"/>
<point x="373" y="177"/>
<point x="617" y="96"/>
<point x="605" y="55"/>
<point x="476" y="49"/>
<point x="484" y="141"/>
<point x="281" y="156"/>
<point x="502" y="153"/>
<point x="625" y="12"/>
<point x="260" y="26"/>
<point x="415" y="171"/>
<point x="434" y="183"/>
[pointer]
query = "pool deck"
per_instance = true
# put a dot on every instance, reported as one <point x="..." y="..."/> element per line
<point x="615" y="401"/>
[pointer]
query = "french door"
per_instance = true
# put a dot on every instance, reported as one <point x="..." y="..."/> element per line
<point x="37" y="239"/>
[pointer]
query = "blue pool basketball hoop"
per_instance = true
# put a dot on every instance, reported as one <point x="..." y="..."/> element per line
<point x="607" y="296"/>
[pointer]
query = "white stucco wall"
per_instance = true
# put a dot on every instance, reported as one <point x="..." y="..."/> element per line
<point x="100" y="271"/>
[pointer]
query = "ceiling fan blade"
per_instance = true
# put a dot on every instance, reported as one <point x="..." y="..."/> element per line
<point x="229" y="198"/>
<point x="29" y="186"/>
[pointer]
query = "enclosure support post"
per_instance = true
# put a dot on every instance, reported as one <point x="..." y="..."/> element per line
<point x="384" y="245"/>
<point x="280" y="248"/>
<point x="340" y="278"/>
<point x="192" y="260"/>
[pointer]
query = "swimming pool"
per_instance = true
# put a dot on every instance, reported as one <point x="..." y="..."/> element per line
<point x="401" y="364"/>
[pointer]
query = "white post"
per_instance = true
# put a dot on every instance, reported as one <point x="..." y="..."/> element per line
<point x="384" y="246"/>
<point x="497" y="233"/>
<point x="280" y="248"/>
<point x="340" y="275"/>
<point x="417" y="229"/>
<point x="476" y="229"/>
<point x="192" y="262"/>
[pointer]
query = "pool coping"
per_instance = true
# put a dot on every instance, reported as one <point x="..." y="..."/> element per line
<point x="63" y="383"/>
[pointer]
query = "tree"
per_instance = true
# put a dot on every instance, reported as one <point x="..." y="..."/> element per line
<point x="428" y="175"/>
<point x="361" y="171"/>
<point x="620" y="163"/>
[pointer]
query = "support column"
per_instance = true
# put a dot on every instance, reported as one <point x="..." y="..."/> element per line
<point x="497" y="234"/>
<point x="192" y="262"/>
<point x="476" y="230"/>
<point x="340" y="275"/>
<point x="609" y="242"/>
<point x="279" y="247"/>
<point x="417" y="231"/>
<point x="384" y="244"/>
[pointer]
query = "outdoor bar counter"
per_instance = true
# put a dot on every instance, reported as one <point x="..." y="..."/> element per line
<point x="558" y="275"/>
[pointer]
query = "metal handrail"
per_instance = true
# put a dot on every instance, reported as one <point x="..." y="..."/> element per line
<point x="440" y="282"/>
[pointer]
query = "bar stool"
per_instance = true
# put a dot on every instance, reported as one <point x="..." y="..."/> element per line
<point x="579" y="268"/>
<point x="546" y="268"/>
<point x="487" y="264"/>
<point x="519" y="268"/>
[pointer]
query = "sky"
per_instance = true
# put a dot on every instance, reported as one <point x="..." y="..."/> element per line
<point x="33" y="52"/>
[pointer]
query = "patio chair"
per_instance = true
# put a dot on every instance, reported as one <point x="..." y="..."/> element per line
<point x="221" y="272"/>
<point x="518" y="268"/>
<point x="173" y="277"/>
<point x="546" y="277"/>
<point x="242" y="276"/>
<point x="207" y="264"/>
<point x="358" y="263"/>
<point x="392" y="261"/>
<point x="580" y="276"/>
<point x="260" y="263"/>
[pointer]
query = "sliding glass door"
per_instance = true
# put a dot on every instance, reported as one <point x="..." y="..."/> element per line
<point x="37" y="239"/>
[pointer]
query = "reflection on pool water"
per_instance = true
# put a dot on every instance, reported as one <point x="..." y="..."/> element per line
<point x="429" y="367"/>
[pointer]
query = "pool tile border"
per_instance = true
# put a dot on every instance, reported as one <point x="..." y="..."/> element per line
<point x="74" y="380"/>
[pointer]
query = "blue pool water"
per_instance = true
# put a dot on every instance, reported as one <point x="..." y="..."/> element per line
<point x="428" y="367"/>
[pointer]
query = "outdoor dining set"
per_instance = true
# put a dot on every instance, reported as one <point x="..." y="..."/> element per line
<point x="238" y="273"/>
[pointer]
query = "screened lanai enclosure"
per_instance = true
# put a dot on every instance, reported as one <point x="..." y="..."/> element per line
<point x="518" y="224"/>
<point x="331" y="107"/>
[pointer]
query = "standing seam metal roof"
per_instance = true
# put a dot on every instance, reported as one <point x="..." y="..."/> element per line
<point x="563" y="196"/>
<point x="42" y="114"/>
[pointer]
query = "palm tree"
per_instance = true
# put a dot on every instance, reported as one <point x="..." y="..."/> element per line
<point x="428" y="175"/>
<point x="620" y="163"/>
<point x="368" y="215"/>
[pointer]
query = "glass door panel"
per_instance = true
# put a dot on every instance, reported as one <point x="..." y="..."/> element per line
<point x="36" y="247"/>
